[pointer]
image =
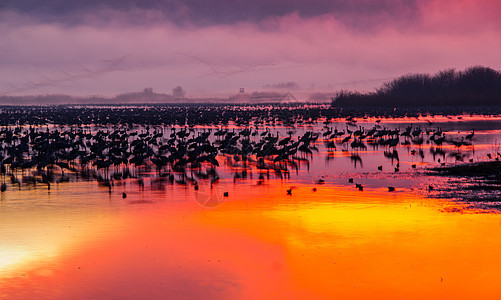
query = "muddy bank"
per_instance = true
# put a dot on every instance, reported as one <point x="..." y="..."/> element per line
<point x="477" y="184"/>
<point x="486" y="170"/>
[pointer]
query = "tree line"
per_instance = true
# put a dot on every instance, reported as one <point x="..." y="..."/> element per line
<point x="476" y="85"/>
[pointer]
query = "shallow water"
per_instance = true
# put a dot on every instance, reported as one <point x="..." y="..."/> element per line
<point x="168" y="241"/>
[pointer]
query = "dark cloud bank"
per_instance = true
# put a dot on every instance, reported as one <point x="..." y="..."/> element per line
<point x="206" y="12"/>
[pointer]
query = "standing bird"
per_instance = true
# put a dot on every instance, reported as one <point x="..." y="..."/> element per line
<point x="470" y="136"/>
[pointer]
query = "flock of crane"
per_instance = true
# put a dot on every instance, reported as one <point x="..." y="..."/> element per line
<point x="44" y="155"/>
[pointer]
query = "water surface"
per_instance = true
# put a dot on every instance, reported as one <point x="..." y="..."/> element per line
<point x="323" y="241"/>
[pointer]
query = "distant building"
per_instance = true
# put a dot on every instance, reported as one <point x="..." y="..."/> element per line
<point x="241" y="97"/>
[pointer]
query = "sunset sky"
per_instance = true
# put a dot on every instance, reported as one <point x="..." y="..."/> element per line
<point x="214" y="47"/>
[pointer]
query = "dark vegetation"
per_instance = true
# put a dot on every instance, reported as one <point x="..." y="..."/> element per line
<point x="474" y="86"/>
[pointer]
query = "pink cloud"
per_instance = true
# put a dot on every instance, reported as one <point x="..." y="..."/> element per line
<point x="461" y="16"/>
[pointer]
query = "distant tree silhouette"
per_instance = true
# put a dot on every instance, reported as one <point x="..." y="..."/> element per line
<point x="475" y="86"/>
<point x="178" y="93"/>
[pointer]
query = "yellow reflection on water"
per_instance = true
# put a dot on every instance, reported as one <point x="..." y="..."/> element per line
<point x="38" y="227"/>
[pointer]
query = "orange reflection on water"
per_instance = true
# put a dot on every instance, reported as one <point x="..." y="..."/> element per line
<point x="346" y="244"/>
<point x="336" y="242"/>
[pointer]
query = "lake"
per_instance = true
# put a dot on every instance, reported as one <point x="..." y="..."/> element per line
<point x="305" y="232"/>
